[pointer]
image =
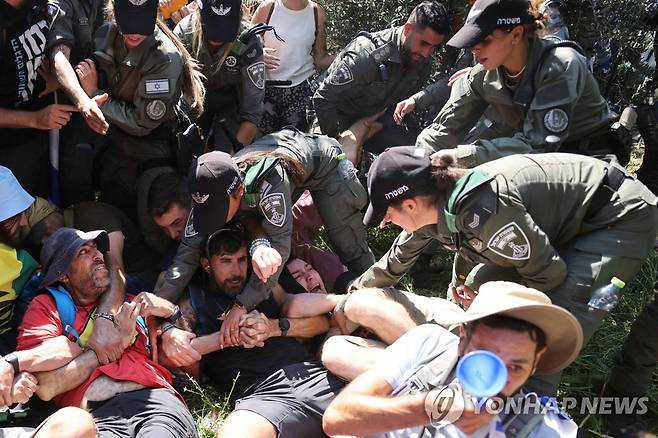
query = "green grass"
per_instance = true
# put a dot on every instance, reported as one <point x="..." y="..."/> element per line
<point x="584" y="378"/>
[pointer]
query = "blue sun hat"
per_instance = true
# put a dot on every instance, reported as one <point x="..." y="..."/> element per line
<point x="13" y="198"/>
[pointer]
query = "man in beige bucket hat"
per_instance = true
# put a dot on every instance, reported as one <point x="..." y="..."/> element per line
<point x="397" y="397"/>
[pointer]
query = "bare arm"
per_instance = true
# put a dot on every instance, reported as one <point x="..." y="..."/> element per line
<point x="304" y="305"/>
<point x="261" y="12"/>
<point x="364" y="407"/>
<point x="51" y="354"/>
<point x="71" y="375"/>
<point x="67" y="78"/>
<point x="321" y="58"/>
<point x="246" y="132"/>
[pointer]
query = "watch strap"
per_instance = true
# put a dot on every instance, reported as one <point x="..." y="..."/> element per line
<point x="12" y="359"/>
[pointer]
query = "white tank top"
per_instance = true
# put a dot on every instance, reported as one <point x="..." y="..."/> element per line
<point x="297" y="28"/>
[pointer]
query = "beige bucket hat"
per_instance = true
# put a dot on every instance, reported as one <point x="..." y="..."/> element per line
<point x="564" y="335"/>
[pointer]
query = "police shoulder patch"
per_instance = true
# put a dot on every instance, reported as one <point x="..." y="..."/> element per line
<point x="342" y="75"/>
<point x="273" y="207"/>
<point x="556" y="120"/>
<point x="510" y="242"/>
<point x="156" y="109"/>
<point x="256" y="72"/>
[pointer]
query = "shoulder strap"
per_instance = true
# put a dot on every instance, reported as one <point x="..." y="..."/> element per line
<point x="315" y="17"/>
<point x="269" y="14"/>
<point x="65" y="309"/>
<point x="525" y="94"/>
<point x="197" y="301"/>
<point x="474" y="179"/>
<point x="254" y="175"/>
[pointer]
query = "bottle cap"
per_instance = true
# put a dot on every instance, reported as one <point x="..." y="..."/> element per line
<point x="341" y="156"/>
<point x="482" y="373"/>
<point x="617" y="282"/>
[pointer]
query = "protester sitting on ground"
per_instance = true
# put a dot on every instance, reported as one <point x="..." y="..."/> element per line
<point x="280" y="389"/>
<point x="17" y="264"/>
<point x="138" y="261"/>
<point x="363" y="323"/>
<point x="300" y="48"/>
<point x="408" y="388"/>
<point x="129" y="397"/>
<point x="262" y="182"/>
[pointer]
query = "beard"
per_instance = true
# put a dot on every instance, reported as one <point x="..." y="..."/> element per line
<point x="10" y="239"/>
<point x="229" y="286"/>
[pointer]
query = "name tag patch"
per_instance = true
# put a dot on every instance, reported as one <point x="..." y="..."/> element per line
<point x="157" y="86"/>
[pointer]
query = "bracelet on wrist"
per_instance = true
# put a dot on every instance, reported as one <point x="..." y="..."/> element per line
<point x="104" y="315"/>
<point x="256" y="243"/>
<point x="12" y="360"/>
<point x="166" y="327"/>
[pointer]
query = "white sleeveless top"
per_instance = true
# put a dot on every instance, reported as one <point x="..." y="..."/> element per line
<point x="297" y="28"/>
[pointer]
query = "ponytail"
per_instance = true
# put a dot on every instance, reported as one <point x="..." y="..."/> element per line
<point x="445" y="174"/>
<point x="194" y="91"/>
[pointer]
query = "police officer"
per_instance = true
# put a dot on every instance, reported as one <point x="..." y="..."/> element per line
<point x="501" y="219"/>
<point x="263" y="181"/>
<point x="546" y="97"/>
<point x="234" y="70"/>
<point x="144" y="69"/>
<point x="375" y="71"/>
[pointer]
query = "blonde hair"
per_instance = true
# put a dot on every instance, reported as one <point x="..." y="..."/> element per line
<point x="197" y="43"/>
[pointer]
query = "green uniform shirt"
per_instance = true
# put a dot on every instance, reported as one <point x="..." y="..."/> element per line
<point x="365" y="78"/>
<point x="567" y="104"/>
<point x="272" y="200"/>
<point x="512" y="220"/>
<point x="239" y="84"/>
<point x="73" y="24"/>
<point x="144" y="84"/>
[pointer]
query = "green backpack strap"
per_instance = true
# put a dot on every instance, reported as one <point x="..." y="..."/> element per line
<point x="253" y="177"/>
<point x="472" y="180"/>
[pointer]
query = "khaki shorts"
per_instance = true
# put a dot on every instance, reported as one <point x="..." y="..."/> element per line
<point x="422" y="309"/>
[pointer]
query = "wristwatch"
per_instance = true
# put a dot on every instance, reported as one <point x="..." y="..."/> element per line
<point x="284" y="326"/>
<point x="12" y="360"/>
<point x="175" y="315"/>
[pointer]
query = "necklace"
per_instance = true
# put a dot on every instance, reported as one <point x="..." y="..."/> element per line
<point x="511" y="76"/>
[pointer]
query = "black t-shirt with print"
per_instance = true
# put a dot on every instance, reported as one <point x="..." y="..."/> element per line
<point x="24" y="33"/>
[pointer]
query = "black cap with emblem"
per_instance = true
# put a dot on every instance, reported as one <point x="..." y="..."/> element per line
<point x="136" y="16"/>
<point x="398" y="173"/>
<point x="211" y="183"/>
<point x="488" y="15"/>
<point x="220" y="20"/>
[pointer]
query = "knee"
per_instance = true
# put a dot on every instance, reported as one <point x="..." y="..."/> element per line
<point x="333" y="355"/>
<point x="363" y="305"/>
<point x="69" y="422"/>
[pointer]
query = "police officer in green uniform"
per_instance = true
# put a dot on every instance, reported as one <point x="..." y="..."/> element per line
<point x="375" y="71"/>
<point x="234" y="70"/>
<point x="545" y="97"/>
<point x="263" y="182"/>
<point x="503" y="221"/>
<point x="144" y="69"/>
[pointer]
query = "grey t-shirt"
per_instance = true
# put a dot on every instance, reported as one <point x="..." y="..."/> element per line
<point x="412" y="351"/>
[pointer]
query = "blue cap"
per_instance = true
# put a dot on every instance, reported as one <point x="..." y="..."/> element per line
<point x="482" y="373"/>
<point x="13" y="198"/>
<point x="61" y="247"/>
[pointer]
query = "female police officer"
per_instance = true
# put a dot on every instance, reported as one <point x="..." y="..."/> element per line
<point x="263" y="181"/>
<point x="544" y="98"/>
<point x="145" y="69"/>
<point x="234" y="70"/>
<point x="561" y="223"/>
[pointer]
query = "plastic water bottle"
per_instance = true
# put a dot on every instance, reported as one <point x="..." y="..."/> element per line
<point x="607" y="297"/>
<point x="345" y="167"/>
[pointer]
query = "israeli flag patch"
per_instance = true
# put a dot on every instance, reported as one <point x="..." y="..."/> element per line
<point x="157" y="86"/>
